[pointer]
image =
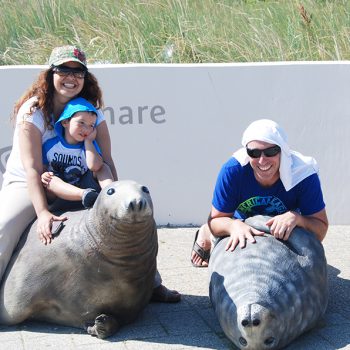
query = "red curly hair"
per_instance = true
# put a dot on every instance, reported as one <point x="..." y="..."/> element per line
<point x="43" y="89"/>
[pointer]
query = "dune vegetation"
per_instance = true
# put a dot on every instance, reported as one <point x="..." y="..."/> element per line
<point x="176" y="31"/>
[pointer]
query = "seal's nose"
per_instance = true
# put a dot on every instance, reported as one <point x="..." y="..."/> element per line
<point x="247" y="322"/>
<point x="137" y="205"/>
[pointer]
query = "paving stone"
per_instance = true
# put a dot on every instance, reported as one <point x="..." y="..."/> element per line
<point x="192" y="324"/>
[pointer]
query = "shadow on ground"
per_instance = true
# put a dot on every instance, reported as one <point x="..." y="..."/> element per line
<point x="192" y="323"/>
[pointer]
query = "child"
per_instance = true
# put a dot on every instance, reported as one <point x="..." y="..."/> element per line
<point x="72" y="158"/>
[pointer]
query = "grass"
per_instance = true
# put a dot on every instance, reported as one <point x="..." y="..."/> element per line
<point x="176" y="31"/>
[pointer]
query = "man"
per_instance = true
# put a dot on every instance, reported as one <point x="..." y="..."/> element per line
<point x="267" y="178"/>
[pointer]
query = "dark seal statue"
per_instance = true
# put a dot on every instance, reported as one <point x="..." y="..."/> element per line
<point x="270" y="292"/>
<point x="97" y="273"/>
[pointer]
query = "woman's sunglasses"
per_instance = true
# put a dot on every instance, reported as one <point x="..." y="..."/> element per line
<point x="268" y="152"/>
<point x="63" y="71"/>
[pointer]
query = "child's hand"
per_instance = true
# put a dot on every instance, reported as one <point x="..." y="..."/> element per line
<point x="46" y="178"/>
<point x="91" y="137"/>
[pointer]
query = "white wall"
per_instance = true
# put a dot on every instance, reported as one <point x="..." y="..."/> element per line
<point x="193" y="117"/>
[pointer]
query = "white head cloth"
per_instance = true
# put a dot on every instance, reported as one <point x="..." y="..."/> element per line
<point x="294" y="167"/>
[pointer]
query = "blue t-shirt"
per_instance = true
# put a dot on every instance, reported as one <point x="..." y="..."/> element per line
<point x="238" y="192"/>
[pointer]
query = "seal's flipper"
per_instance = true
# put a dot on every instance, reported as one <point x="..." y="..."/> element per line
<point x="104" y="326"/>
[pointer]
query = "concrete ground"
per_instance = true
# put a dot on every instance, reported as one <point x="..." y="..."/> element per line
<point x="191" y="324"/>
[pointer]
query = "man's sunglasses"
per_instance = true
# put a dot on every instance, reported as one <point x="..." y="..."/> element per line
<point x="268" y="152"/>
<point x="63" y="71"/>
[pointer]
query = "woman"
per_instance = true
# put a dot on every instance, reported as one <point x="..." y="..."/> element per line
<point x="264" y="177"/>
<point x="36" y="111"/>
<point x="22" y="195"/>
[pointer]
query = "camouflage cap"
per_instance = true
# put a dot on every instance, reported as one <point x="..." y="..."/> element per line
<point x="63" y="54"/>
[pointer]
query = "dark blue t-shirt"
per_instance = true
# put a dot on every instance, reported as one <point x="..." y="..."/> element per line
<point x="238" y="192"/>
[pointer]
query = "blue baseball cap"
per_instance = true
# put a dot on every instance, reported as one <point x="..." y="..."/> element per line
<point x="78" y="104"/>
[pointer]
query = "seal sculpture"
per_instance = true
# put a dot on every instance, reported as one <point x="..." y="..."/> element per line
<point x="96" y="274"/>
<point x="270" y="292"/>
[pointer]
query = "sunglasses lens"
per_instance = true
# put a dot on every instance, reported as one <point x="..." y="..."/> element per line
<point x="268" y="152"/>
<point x="254" y="153"/>
<point x="79" y="75"/>
<point x="272" y="151"/>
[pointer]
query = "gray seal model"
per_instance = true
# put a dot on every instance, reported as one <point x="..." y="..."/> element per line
<point x="97" y="274"/>
<point x="270" y="292"/>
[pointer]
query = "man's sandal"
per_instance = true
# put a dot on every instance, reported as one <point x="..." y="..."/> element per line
<point x="203" y="254"/>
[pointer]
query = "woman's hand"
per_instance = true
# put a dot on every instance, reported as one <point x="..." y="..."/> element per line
<point x="281" y="226"/>
<point x="44" y="225"/>
<point x="240" y="232"/>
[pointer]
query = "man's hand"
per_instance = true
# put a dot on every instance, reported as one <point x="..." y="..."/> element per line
<point x="281" y="226"/>
<point x="240" y="233"/>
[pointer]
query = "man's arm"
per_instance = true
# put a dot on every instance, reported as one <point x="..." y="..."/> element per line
<point x="223" y="224"/>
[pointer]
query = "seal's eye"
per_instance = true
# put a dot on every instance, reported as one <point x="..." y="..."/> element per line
<point x="110" y="191"/>
<point x="145" y="189"/>
<point x="269" y="341"/>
